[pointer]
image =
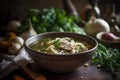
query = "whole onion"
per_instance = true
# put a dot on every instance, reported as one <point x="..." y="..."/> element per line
<point x="96" y="25"/>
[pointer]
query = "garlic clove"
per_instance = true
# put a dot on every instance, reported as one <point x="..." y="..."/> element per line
<point x="19" y="40"/>
<point x="14" y="48"/>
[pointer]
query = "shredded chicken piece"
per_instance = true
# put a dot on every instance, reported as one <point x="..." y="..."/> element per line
<point x="66" y="45"/>
<point x="51" y="49"/>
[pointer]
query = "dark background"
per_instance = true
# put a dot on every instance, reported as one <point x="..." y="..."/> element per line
<point x="17" y="9"/>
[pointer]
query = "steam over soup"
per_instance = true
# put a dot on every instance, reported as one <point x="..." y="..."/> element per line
<point x="64" y="45"/>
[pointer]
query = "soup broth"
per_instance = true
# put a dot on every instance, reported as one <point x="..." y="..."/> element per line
<point x="64" y="45"/>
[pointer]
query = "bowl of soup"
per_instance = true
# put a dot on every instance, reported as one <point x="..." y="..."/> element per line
<point x="60" y="51"/>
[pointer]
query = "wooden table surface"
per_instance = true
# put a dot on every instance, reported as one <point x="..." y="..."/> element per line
<point x="82" y="73"/>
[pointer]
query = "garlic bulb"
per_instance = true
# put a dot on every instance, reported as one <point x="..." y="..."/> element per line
<point x="96" y="25"/>
<point x="15" y="45"/>
<point x="14" y="48"/>
<point x="30" y="32"/>
<point x="19" y="40"/>
<point x="13" y="25"/>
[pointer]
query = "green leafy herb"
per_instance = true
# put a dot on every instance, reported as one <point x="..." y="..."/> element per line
<point x="57" y="43"/>
<point x="53" y="19"/>
<point x="108" y="58"/>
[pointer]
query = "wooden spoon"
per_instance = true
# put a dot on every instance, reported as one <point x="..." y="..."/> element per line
<point x="31" y="74"/>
